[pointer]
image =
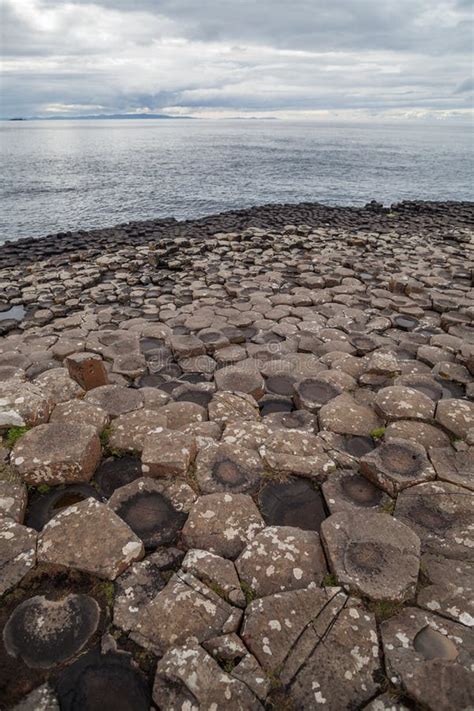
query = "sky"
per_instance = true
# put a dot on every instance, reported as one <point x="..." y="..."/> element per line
<point x="308" y="59"/>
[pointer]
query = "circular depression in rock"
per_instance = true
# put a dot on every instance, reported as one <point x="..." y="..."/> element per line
<point x="45" y="633"/>
<point x="434" y="645"/>
<point x="151" y="380"/>
<point x="280" y="384"/>
<point x="42" y="507"/>
<point x="199" y="397"/>
<point x="427" y="515"/>
<point x="405" y="323"/>
<point x="296" y="420"/>
<point x="361" y="491"/>
<point x="317" y="391"/>
<point x="292" y="503"/>
<point x="364" y="557"/>
<point x="399" y="459"/>
<point x="358" y="445"/>
<point x="114" y="473"/>
<point x="270" y="405"/>
<point x="150" y="344"/>
<point x="152" y="517"/>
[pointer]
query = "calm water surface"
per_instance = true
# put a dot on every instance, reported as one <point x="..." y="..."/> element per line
<point x="67" y="175"/>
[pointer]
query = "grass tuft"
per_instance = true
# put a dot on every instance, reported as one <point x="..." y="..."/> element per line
<point x="14" y="434"/>
<point x="378" y="433"/>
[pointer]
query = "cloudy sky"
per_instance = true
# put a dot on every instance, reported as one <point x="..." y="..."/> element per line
<point x="288" y="58"/>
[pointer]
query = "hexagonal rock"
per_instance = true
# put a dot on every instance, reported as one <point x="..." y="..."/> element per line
<point x="450" y="590"/>
<point x="167" y="453"/>
<point x="130" y="365"/>
<point x="420" y="432"/>
<point x="312" y="393"/>
<point x="187" y="346"/>
<point x="13" y="499"/>
<point x="227" y="467"/>
<point x="238" y="379"/>
<point x="346" y="490"/>
<point x="246" y="434"/>
<point x="59" y="385"/>
<point x="222" y="524"/>
<point x="372" y="554"/>
<point x="311" y="635"/>
<point x="128" y="432"/>
<point x="140" y="584"/>
<point x="454" y="467"/>
<point x="182" y="414"/>
<point x="398" y="402"/>
<point x="225" y="407"/>
<point x="297" y="420"/>
<point x="184" y="608"/>
<point x="298" y="453"/>
<point x="17" y="552"/>
<point x="115" y="399"/>
<point x="441" y="515"/>
<point x="23" y="404"/>
<point x="345" y="416"/>
<point x="281" y="558"/>
<point x="155" y="510"/>
<point x="217" y="573"/>
<point x="87" y="369"/>
<point x="41" y="699"/>
<point x="57" y="454"/>
<point x="78" y="412"/>
<point x="45" y="633"/>
<point x="188" y="677"/>
<point x="89" y="536"/>
<point x="396" y="465"/>
<point x="431" y="658"/>
<point x="457" y="416"/>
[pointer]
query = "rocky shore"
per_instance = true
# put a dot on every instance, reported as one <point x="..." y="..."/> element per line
<point x="237" y="462"/>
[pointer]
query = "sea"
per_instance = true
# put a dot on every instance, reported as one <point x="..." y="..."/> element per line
<point x="66" y="175"/>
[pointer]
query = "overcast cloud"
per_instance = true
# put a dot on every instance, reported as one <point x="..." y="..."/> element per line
<point x="306" y="58"/>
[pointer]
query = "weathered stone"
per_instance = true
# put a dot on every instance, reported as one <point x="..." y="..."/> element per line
<point x="13" y="499"/>
<point x="41" y="699"/>
<point x="155" y="510"/>
<point x="238" y="379"/>
<point x="372" y="554"/>
<point x="43" y="506"/>
<point x="217" y="573"/>
<point x="398" y="402"/>
<point x="293" y="503"/>
<point x="44" y="633"/>
<point x="419" y="432"/>
<point x="281" y="558"/>
<point x="78" y="412"/>
<point x="430" y="658"/>
<point x="312" y="393"/>
<point x="181" y="414"/>
<point x="345" y="416"/>
<point x="59" y="385"/>
<point x="457" y="416"/>
<point x="23" y="404"/>
<point x="17" y="552"/>
<point x="187" y="346"/>
<point x="89" y="536"/>
<point x="426" y="384"/>
<point x="116" y="472"/>
<point x="128" y="432"/>
<point x="454" y="467"/>
<point x="57" y="454"/>
<point x="188" y="677"/>
<point x="222" y="524"/>
<point x="249" y="671"/>
<point x="167" y="453"/>
<point x="226" y="407"/>
<point x="227" y="467"/>
<point x="347" y="490"/>
<point x="441" y="515"/>
<point x="297" y="420"/>
<point x="396" y="465"/>
<point x="389" y="701"/>
<point x="299" y="453"/>
<point x="115" y="399"/>
<point x="448" y="588"/>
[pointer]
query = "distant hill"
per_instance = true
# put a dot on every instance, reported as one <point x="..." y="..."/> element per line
<point x="100" y="117"/>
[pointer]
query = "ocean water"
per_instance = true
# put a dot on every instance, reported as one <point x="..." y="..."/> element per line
<point x="68" y="175"/>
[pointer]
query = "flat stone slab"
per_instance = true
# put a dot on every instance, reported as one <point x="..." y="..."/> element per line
<point x="430" y="658"/>
<point x="217" y="573"/>
<point x="450" y="590"/>
<point x="167" y="453"/>
<point x="372" y="554"/>
<point x="188" y="677"/>
<point x="396" y="465"/>
<point x="296" y="453"/>
<point x="128" y="432"/>
<point x="226" y="467"/>
<point x="238" y="379"/>
<point x="419" y="432"/>
<point x="59" y="385"/>
<point x="441" y="515"/>
<point x="17" y="552"/>
<point x="346" y="490"/>
<point x="398" y="402"/>
<point x="454" y="467"/>
<point x="344" y="415"/>
<point x="182" y="414"/>
<point x="57" y="453"/>
<point x="222" y="524"/>
<point x="281" y="558"/>
<point x="227" y="406"/>
<point x="71" y="539"/>
<point x="457" y="416"/>
<point x="115" y="399"/>
<point x="24" y="404"/>
<point x="79" y="412"/>
<point x="44" y="633"/>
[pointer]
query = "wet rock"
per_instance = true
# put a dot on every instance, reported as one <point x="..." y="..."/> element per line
<point x="217" y="573"/>
<point x="116" y="472"/>
<point x="155" y="510"/>
<point x="45" y="633"/>
<point x="372" y="554"/>
<point x="227" y="467"/>
<point x="78" y="412"/>
<point x="188" y="677"/>
<point x="312" y="393"/>
<point x="23" y="404"/>
<point x="454" y="467"/>
<point x="293" y="503"/>
<point x="226" y="407"/>
<point x="396" y="465"/>
<point x="115" y="399"/>
<point x="167" y="453"/>
<point x="13" y="499"/>
<point x="17" y="553"/>
<point x="128" y="432"/>
<point x="347" y="490"/>
<point x="57" y="453"/>
<point x="457" y="416"/>
<point x="430" y="657"/>
<point x="441" y="514"/>
<point x="222" y="524"/>
<point x="71" y="539"/>
<point x="398" y="402"/>
<point x="449" y="589"/>
<point x="344" y="415"/>
<point x="43" y="506"/>
<point x="281" y="558"/>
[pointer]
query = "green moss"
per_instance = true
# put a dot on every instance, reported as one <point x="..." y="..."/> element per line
<point x="14" y="434"/>
<point x="388" y="507"/>
<point x="383" y="609"/>
<point x="43" y="489"/>
<point x="107" y="591"/>
<point x="330" y="581"/>
<point x="105" y="436"/>
<point x="249" y="592"/>
<point x="378" y="433"/>
<point x="217" y="589"/>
